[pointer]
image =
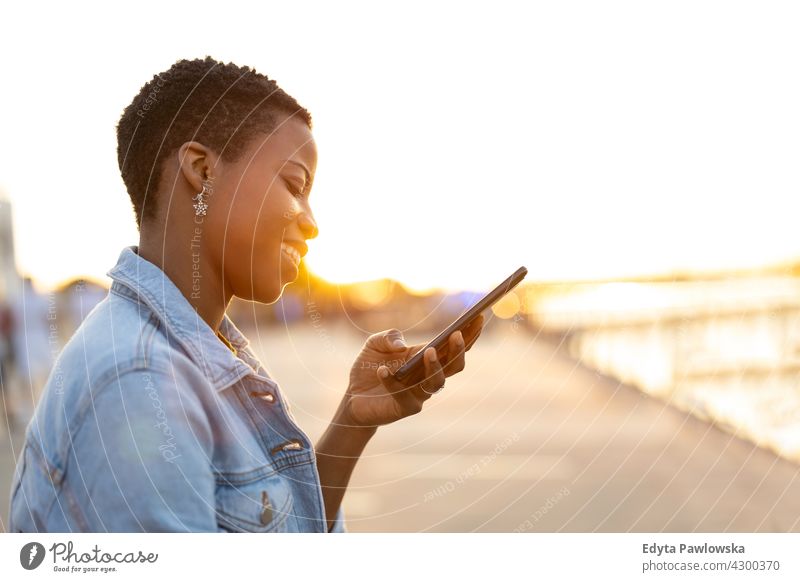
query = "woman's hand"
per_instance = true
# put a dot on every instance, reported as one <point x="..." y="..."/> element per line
<point x="373" y="399"/>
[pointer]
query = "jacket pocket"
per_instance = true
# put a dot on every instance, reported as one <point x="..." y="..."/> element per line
<point x="256" y="501"/>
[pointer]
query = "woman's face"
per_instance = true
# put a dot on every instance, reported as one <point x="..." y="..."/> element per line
<point x="268" y="212"/>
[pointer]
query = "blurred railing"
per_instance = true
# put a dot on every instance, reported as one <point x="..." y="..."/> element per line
<point x="726" y="350"/>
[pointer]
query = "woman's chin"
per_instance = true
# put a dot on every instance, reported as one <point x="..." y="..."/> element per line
<point x="264" y="291"/>
<point x="289" y="271"/>
<point x="272" y="293"/>
<point x="268" y="288"/>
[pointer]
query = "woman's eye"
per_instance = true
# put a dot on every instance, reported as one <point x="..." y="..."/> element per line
<point x="294" y="189"/>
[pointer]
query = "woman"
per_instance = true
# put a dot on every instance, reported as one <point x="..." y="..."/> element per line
<point x="157" y="416"/>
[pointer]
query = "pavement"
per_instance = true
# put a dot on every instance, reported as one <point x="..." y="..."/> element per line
<point x="524" y="439"/>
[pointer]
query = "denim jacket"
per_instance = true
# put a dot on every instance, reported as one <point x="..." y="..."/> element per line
<point x="149" y="422"/>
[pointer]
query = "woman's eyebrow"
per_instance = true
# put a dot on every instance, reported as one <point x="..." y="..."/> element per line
<point x="308" y="174"/>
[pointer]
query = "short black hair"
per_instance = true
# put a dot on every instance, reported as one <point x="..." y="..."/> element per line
<point x="222" y="106"/>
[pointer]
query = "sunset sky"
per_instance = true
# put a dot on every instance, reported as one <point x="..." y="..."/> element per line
<point x="580" y="139"/>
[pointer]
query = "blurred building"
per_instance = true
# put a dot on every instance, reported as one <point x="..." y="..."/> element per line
<point x="9" y="278"/>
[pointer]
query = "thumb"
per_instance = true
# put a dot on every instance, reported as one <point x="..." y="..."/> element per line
<point x="393" y="340"/>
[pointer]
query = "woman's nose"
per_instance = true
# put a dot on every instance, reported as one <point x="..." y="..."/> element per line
<point x="308" y="225"/>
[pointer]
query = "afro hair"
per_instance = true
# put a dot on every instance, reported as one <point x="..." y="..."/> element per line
<point x="222" y="106"/>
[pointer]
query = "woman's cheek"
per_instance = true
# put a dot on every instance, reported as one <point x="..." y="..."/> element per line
<point x="291" y="211"/>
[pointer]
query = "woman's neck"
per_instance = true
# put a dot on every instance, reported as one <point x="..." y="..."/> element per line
<point x="192" y="271"/>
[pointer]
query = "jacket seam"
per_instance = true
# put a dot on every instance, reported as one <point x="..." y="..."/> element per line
<point x="42" y="464"/>
<point x="219" y="383"/>
<point x="145" y="293"/>
<point x="102" y="383"/>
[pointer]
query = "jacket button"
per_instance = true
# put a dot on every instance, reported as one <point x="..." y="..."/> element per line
<point x="292" y="445"/>
<point x="266" y="396"/>
<point x="266" y="509"/>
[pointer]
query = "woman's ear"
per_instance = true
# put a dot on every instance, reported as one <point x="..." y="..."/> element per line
<point x="197" y="163"/>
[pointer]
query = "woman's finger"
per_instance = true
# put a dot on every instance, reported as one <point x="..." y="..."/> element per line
<point x="403" y="395"/>
<point x="434" y="376"/>
<point x="473" y="331"/>
<point x="451" y="350"/>
<point x="469" y="333"/>
<point x="455" y="354"/>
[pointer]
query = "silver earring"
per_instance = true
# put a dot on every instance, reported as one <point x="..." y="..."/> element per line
<point x="200" y="206"/>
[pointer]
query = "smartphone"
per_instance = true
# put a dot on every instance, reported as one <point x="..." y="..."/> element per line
<point x="415" y="363"/>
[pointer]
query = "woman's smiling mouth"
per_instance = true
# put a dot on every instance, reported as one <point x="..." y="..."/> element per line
<point x="292" y="253"/>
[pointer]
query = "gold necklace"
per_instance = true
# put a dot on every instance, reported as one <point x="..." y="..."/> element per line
<point x="227" y="343"/>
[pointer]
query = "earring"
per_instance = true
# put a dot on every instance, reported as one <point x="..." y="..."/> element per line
<point x="200" y="206"/>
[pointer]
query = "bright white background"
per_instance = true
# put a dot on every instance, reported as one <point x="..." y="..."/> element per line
<point x="581" y="139"/>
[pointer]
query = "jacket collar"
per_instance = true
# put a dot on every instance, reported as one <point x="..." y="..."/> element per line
<point x="142" y="281"/>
